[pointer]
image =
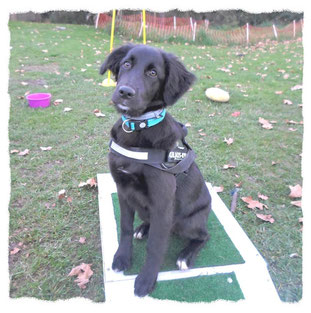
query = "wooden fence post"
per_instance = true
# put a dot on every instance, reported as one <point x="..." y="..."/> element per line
<point x="275" y="32"/>
<point x="97" y="19"/>
<point x="194" y="30"/>
<point x="247" y="33"/>
<point x="206" y="24"/>
<point x="191" y="23"/>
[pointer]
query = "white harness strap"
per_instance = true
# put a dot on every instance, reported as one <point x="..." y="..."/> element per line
<point x="129" y="153"/>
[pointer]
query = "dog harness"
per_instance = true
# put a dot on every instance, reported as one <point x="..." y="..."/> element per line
<point x="175" y="161"/>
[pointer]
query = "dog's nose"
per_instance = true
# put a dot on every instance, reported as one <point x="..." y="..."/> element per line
<point x="126" y="92"/>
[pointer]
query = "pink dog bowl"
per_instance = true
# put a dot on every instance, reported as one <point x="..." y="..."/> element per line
<point x="37" y="100"/>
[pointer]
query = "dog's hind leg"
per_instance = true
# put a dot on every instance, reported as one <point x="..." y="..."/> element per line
<point x="142" y="231"/>
<point x="195" y="230"/>
<point x="187" y="255"/>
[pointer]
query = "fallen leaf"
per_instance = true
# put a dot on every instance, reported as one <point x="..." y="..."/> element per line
<point x="265" y="123"/>
<point x="92" y="182"/>
<point x="188" y="125"/>
<point x="235" y="114"/>
<point x="46" y="148"/>
<point x="229" y="141"/>
<point x="99" y="114"/>
<point x="297" y="87"/>
<point x="24" y="83"/>
<point x="14" y="151"/>
<point x="292" y="129"/>
<point x="263" y="197"/>
<point x="67" y="109"/>
<point x="58" y="101"/>
<point x="286" y="101"/>
<point x="279" y="92"/>
<point x="252" y="204"/>
<point x="227" y="166"/>
<point x="14" y="251"/>
<point x="285" y="76"/>
<point x="294" y="255"/>
<point x="292" y="122"/>
<point x="82" y="240"/>
<point x="218" y="189"/>
<point x="61" y="194"/>
<point x="266" y="218"/>
<point x="295" y="191"/>
<point x="84" y="272"/>
<point x="296" y="203"/>
<point x="23" y="153"/>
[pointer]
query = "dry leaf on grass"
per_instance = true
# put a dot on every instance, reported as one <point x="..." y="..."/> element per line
<point x="90" y="182"/>
<point x="83" y="272"/>
<point x="229" y="141"/>
<point x="23" y="153"/>
<point x="14" y="151"/>
<point x="235" y="114"/>
<point x="265" y="123"/>
<point x="67" y="109"/>
<point x="218" y="189"/>
<point x="14" y="251"/>
<point x="266" y="218"/>
<point x="297" y="87"/>
<point x="252" y="204"/>
<point x="82" y="240"/>
<point x="98" y="113"/>
<point x="296" y="203"/>
<point x="295" y="191"/>
<point x="61" y="194"/>
<point x="46" y="148"/>
<point x="227" y="166"/>
<point x="58" y="101"/>
<point x="263" y="197"/>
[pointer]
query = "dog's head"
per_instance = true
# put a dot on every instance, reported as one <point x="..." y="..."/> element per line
<point x="147" y="78"/>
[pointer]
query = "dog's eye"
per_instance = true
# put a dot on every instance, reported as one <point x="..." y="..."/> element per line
<point x="152" y="73"/>
<point x="127" y="65"/>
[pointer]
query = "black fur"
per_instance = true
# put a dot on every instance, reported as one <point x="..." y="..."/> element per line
<point x="148" y="79"/>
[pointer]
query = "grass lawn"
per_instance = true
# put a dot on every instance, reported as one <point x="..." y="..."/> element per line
<point x="65" y="62"/>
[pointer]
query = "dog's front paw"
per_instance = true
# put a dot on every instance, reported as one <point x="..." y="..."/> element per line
<point x="121" y="263"/>
<point x="144" y="284"/>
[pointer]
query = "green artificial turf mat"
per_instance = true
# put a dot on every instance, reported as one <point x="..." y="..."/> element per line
<point x="200" y="289"/>
<point x="219" y="250"/>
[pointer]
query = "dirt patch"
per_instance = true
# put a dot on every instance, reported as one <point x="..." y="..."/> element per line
<point x="46" y="68"/>
<point x="36" y="82"/>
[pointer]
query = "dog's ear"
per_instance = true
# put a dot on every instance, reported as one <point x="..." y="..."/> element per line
<point x="178" y="79"/>
<point x="112" y="62"/>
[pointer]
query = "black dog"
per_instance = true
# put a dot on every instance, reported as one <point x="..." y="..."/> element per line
<point x="151" y="162"/>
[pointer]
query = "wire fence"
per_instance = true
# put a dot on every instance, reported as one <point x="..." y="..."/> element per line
<point x="189" y="29"/>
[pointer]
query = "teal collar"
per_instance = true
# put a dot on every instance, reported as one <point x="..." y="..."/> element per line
<point x="144" y="121"/>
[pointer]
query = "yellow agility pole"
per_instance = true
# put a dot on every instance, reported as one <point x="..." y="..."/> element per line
<point x="109" y="82"/>
<point x="144" y="27"/>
